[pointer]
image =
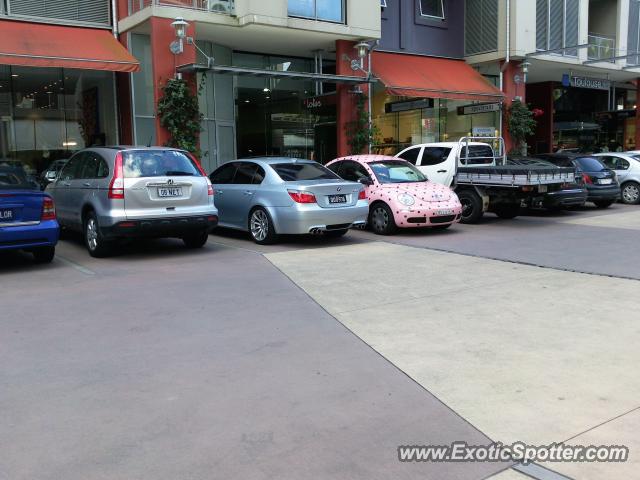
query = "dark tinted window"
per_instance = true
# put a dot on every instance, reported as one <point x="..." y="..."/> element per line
<point x="559" y="161"/>
<point x="477" y="154"/>
<point x="158" y="163"/>
<point x="259" y="175"/>
<point x="410" y="155"/>
<point x="71" y="169"/>
<point x="11" y="178"/>
<point x="224" y="174"/>
<point x="614" y="163"/>
<point x="396" y="172"/>
<point x="245" y="173"/>
<point x="294" y="172"/>
<point x="589" y="164"/>
<point x="93" y="166"/>
<point x="435" y="155"/>
<point x="353" y="171"/>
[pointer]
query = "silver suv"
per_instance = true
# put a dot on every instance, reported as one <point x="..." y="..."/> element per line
<point x="109" y="193"/>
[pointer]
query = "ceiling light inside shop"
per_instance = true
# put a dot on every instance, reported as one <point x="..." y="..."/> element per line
<point x="70" y="144"/>
<point x="265" y="89"/>
<point x="247" y="101"/>
<point x="15" y="75"/>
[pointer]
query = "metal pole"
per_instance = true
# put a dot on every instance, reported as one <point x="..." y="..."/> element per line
<point x="369" y="101"/>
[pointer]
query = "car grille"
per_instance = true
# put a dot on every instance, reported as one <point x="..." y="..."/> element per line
<point x="443" y="219"/>
<point x="417" y="220"/>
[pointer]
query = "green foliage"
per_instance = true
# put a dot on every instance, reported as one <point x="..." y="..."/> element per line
<point x="180" y="114"/>
<point x="359" y="133"/>
<point x="521" y="124"/>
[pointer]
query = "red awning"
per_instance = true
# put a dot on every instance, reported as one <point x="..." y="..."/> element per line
<point x="38" y="45"/>
<point x="430" y="77"/>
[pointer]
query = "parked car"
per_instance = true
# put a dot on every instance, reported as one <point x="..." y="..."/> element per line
<point x="399" y="194"/>
<point x="482" y="179"/>
<point x="602" y="186"/>
<point x="627" y="168"/>
<point x="27" y="217"/>
<point x="109" y="193"/>
<point x="269" y="197"/>
<point x="558" y="196"/>
<point x="52" y="171"/>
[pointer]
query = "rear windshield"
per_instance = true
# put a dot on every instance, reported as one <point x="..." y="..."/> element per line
<point x="478" y="154"/>
<point x="14" y="178"/>
<point x="295" y="172"/>
<point x="590" y="164"/>
<point x="158" y="163"/>
<point x="396" y="172"/>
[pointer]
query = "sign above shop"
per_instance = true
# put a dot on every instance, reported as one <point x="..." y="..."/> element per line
<point x="315" y="103"/>
<point x="479" y="108"/>
<point x="483" y="131"/>
<point x="586" y="82"/>
<point x="409" y="105"/>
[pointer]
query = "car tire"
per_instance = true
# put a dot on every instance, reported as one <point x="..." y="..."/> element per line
<point x="381" y="219"/>
<point x="44" y="254"/>
<point x="603" y="203"/>
<point x="336" y="233"/>
<point x="630" y="193"/>
<point x="96" y="245"/>
<point x="261" y="227"/>
<point x="196" y="240"/>
<point x="471" y="206"/>
<point x="507" y="211"/>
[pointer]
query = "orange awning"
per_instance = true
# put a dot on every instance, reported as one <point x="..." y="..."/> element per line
<point x="38" y="45"/>
<point x="430" y="77"/>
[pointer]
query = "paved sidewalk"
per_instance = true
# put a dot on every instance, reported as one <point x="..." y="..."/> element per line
<point x="524" y="353"/>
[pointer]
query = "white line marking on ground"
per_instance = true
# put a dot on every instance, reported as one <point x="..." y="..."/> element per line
<point x="75" y="266"/>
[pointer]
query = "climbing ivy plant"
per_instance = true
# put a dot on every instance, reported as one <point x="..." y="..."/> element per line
<point x="521" y="124"/>
<point x="359" y="132"/>
<point x="179" y="113"/>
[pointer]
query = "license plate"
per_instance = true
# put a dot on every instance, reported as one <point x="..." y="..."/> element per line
<point x="6" y="214"/>
<point x="444" y="212"/>
<point x="542" y="188"/>
<point x="337" y="199"/>
<point x="605" y="181"/>
<point x="170" y="192"/>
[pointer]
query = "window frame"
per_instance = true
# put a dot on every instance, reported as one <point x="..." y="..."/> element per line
<point x="433" y="17"/>
<point x="315" y="17"/>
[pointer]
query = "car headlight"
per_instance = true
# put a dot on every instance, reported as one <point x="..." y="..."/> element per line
<point x="406" y="199"/>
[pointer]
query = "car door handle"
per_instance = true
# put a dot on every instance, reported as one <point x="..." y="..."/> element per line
<point x="86" y="184"/>
<point x="442" y="171"/>
<point x="219" y="192"/>
<point x="247" y="192"/>
<point x="66" y="184"/>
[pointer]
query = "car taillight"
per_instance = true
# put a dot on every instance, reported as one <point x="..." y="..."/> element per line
<point x="197" y="164"/>
<point x="362" y="195"/>
<point x="116" y="186"/>
<point x="210" y="190"/>
<point x="302" y="197"/>
<point x="587" y="178"/>
<point x="48" y="210"/>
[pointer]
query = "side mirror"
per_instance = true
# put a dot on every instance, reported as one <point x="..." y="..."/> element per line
<point x="366" y="181"/>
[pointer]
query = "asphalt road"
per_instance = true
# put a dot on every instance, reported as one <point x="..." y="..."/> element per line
<point x="163" y="363"/>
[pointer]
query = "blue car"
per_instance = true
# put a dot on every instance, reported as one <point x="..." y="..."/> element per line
<point x="27" y="216"/>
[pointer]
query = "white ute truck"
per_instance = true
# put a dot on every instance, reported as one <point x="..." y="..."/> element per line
<point x="480" y="176"/>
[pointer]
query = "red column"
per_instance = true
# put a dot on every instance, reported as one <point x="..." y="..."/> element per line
<point x="164" y="62"/>
<point x="346" y="104"/>
<point x="637" y="114"/>
<point x="511" y="90"/>
<point x="123" y="95"/>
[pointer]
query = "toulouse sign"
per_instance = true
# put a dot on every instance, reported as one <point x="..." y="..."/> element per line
<point x="586" y="82"/>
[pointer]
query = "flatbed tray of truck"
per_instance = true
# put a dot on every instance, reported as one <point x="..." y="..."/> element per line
<point x="515" y="175"/>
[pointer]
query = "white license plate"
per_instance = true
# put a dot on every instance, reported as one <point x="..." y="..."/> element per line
<point x="543" y="188"/>
<point x="444" y="212"/>
<point x="170" y="192"/>
<point x="6" y="214"/>
<point x="605" y="181"/>
<point x="337" y="199"/>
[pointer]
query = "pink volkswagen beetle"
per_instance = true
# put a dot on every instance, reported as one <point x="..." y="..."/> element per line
<point x="399" y="194"/>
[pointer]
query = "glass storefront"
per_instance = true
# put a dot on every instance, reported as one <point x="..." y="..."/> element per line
<point x="439" y="121"/>
<point x="47" y="114"/>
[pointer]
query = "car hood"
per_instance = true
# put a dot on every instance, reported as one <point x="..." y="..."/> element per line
<point x="425" y="191"/>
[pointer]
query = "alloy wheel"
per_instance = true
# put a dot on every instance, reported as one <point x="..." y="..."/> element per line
<point x="379" y="218"/>
<point x="259" y="225"/>
<point x="92" y="234"/>
<point x="630" y="193"/>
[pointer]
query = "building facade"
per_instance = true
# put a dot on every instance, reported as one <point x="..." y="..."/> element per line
<point x="271" y="74"/>
<point x="57" y="79"/>
<point x="574" y="60"/>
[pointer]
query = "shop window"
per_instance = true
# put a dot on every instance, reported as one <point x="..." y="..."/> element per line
<point x="432" y="8"/>
<point x="325" y="10"/>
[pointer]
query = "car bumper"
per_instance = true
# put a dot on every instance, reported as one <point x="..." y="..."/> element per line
<point x="314" y="219"/>
<point x="44" y="234"/>
<point x="563" y="198"/>
<point x="160" y="227"/>
<point x="427" y="217"/>
<point x="609" y="192"/>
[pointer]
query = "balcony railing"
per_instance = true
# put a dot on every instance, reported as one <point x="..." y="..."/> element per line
<point x="225" y="7"/>
<point x="601" y="47"/>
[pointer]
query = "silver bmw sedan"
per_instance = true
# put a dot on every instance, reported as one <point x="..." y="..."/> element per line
<point x="272" y="196"/>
